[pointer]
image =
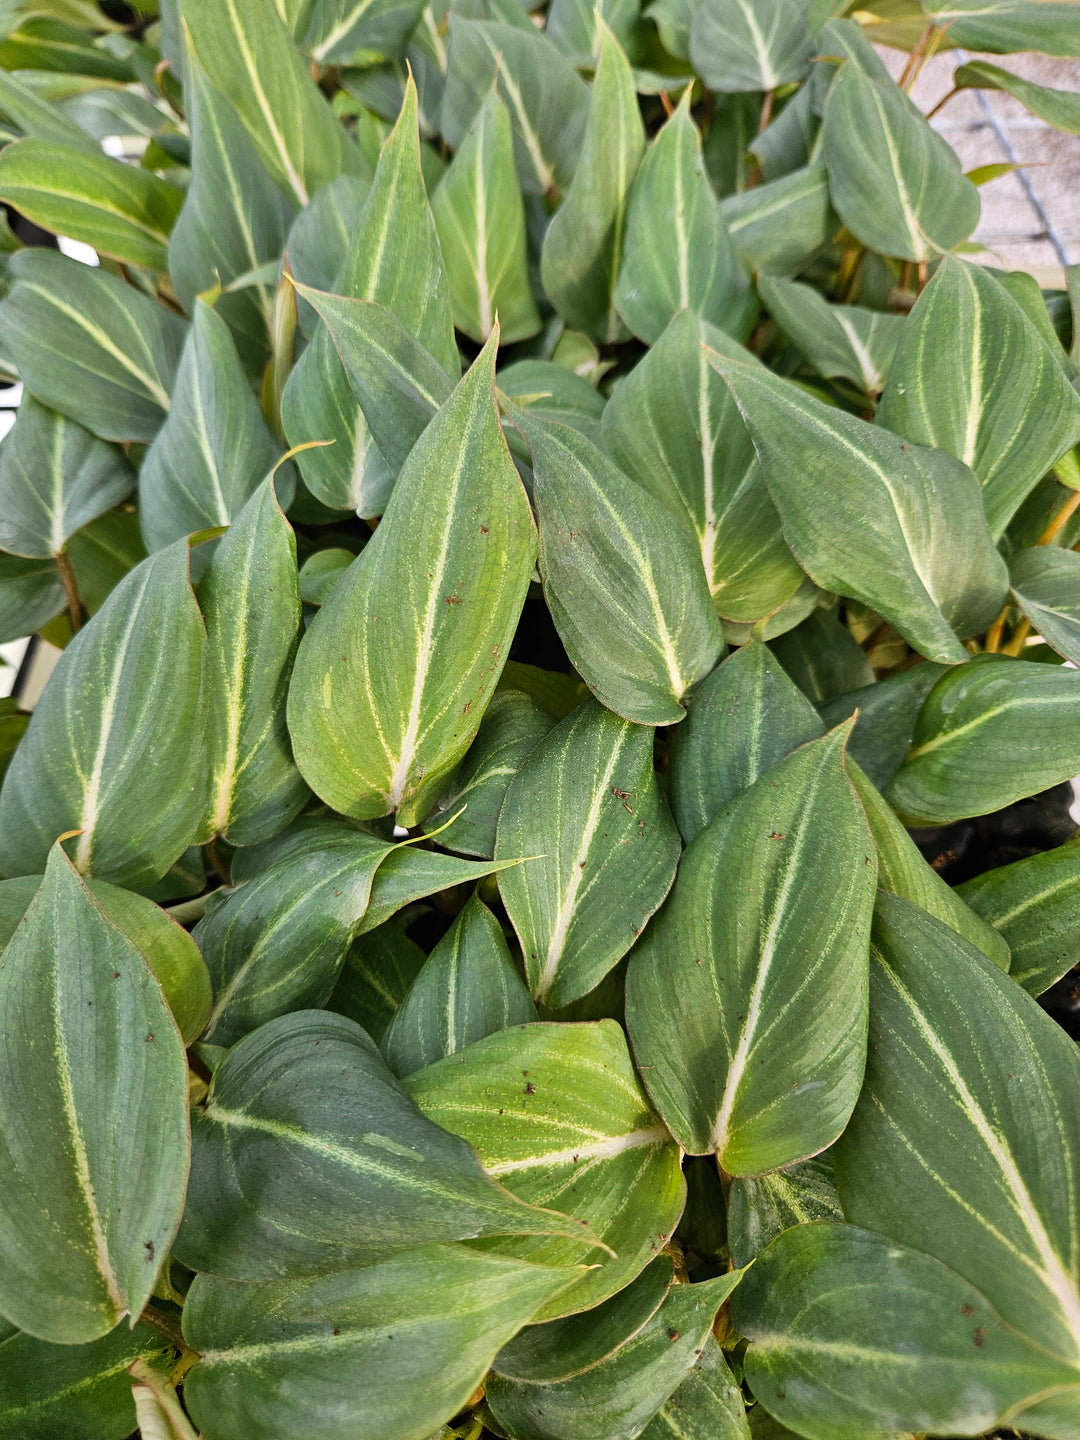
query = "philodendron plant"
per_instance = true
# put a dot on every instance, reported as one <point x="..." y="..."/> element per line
<point x="549" y="534"/>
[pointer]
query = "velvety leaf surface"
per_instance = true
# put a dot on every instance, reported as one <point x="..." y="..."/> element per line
<point x="822" y="656"/>
<point x="1000" y="26"/>
<point x="1046" y="583"/>
<point x="846" y="341"/>
<point x="410" y="874"/>
<point x="746" y="998"/>
<point x="93" y="1119"/>
<point x="887" y="711"/>
<point x="708" y="1405"/>
<point x="339" y="30"/>
<point x="761" y="1208"/>
<point x="779" y="226"/>
<point x="31" y="594"/>
<point x="379" y="970"/>
<point x="749" y="44"/>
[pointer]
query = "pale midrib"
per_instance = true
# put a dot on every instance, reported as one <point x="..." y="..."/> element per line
<point x="56" y="536"/>
<point x="340" y="30"/>
<point x="605" y="1149"/>
<point x="946" y="737"/>
<point x="101" y="207"/>
<point x="234" y="706"/>
<point x="544" y="172"/>
<point x="711" y="532"/>
<point x="99" y="336"/>
<point x="861" y="352"/>
<point x="482" y="289"/>
<point x="265" y="108"/>
<point x="769" y="79"/>
<point x="975" y="398"/>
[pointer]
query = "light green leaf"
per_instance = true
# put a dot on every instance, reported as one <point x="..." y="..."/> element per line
<point x="378" y="972"/>
<point x="90" y="346"/>
<point x="590" y="1146"/>
<point x="1059" y="108"/>
<point x="458" y="561"/>
<point x="848" y="341"/>
<point x="93" y="1120"/>
<point x="543" y="1388"/>
<point x="342" y="31"/>
<point x="677" y="253"/>
<point x="116" y="746"/>
<point x="896" y="526"/>
<point x="708" y="1405"/>
<point x="214" y="448"/>
<point x="55" y="477"/>
<point x="31" y="594"/>
<point x="741" y="721"/>
<point x="746" y="999"/>
<point x="628" y="596"/>
<point x="321" y="571"/>
<point x="586" y="795"/>
<point x="547" y="99"/>
<point x="468" y="988"/>
<point x="481" y="223"/>
<point x="738" y="45"/>
<point x="761" y="1208"/>
<point x="468" y="810"/>
<point x="251" y="604"/>
<point x="973" y="376"/>
<point x="1035" y="904"/>
<point x="579" y="263"/>
<point x="896" y="183"/>
<point x="887" y="712"/>
<point x="1046" y="583"/>
<point x="34" y="115"/>
<point x="281" y="1122"/>
<point x="975" y="714"/>
<point x="778" y="227"/>
<point x="122" y="210"/>
<point x="313" y="1356"/>
<point x="249" y="56"/>
<point x="1002" y="26"/>
<point x="965" y="1140"/>
<point x="673" y="426"/>
<point x="233" y="221"/>
<point x="855" y="1336"/>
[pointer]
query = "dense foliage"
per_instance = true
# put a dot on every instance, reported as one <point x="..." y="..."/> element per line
<point x="546" y="531"/>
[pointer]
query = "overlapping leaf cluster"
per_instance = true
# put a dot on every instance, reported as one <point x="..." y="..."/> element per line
<point x="534" y="503"/>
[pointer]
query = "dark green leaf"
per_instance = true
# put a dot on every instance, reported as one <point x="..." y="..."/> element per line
<point x="1046" y="583"/>
<point x="1059" y="108"/>
<point x="379" y="970"/>
<point x="847" y="341"/>
<point x="343" y="30"/>
<point x="823" y="657"/>
<point x="410" y="874"/>
<point x="708" y="1405"/>
<point x="760" y="1209"/>
<point x="887" y="712"/>
<point x="779" y="227"/>
<point x="31" y="594"/>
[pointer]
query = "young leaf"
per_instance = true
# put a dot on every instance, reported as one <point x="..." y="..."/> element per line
<point x="1035" y="904"/>
<point x="481" y="223"/>
<point x="677" y="254"/>
<point x="673" y="426"/>
<point x="746" y="999"/>
<point x="738" y="45"/>
<point x="214" y="448"/>
<point x="1059" y="108"/>
<point x="312" y="1356"/>
<point x="331" y="1193"/>
<point x="116" y="749"/>
<point x="55" y="477"/>
<point x="975" y="714"/>
<point x="897" y="526"/>
<point x="741" y="721"/>
<point x="89" y="346"/>
<point x="251" y="604"/>
<point x="628" y="596"/>
<point x="457" y="561"/>
<point x="587" y="795"/>
<point x="93" y="1118"/>
<point x="579" y="263"/>
<point x="596" y="1150"/>
<point x="848" y="341"/>
<point x="409" y="874"/>
<point x="1046" y="584"/>
<point x="468" y="988"/>
<point x="973" y="376"/>
<point x="1002" y="26"/>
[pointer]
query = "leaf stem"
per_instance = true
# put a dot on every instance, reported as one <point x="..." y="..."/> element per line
<point x="1060" y="520"/>
<point x="218" y="861"/>
<point x="71" y="589"/>
<point x="943" y="102"/>
<point x="766" y="110"/>
<point x="1018" y="639"/>
<point x="993" y="635"/>
<point x="148" y="1379"/>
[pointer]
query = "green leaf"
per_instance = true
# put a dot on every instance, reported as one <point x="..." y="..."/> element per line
<point x="547" y="99"/>
<point x="213" y="449"/>
<point x="1035" y="904"/>
<point x="102" y="553"/>
<point x="896" y="526"/>
<point x="742" y="720"/>
<point x="973" y="376"/>
<point x="468" y="810"/>
<point x="251" y="604"/>
<point x="673" y="426"/>
<point x="572" y="24"/>
<point x="746" y="999"/>
<point x="628" y="596"/>
<point x="845" y="341"/>
<point x="967" y="1128"/>
<point x="919" y="1349"/>
<point x="55" y="477"/>
<point x="340" y="30"/>
<point x="233" y="221"/>
<point x="89" y="346"/>
<point x="1059" y="108"/>
<point x="82" y="1392"/>
<point x="556" y="393"/>
<point x="321" y="571"/>
<point x="249" y="56"/>
<point x="39" y="117"/>
<point x="320" y="238"/>
<point x="1046" y="583"/>
<point x="823" y="657"/>
<point x="93" y="1119"/>
<point x="677" y="254"/>
<point x="481" y="223"/>
<point x="378" y="973"/>
<point x="896" y="183"/>
<point x="1002" y="26"/>
<point x="542" y="1388"/>
<point x="738" y="45"/>
<point x="886" y="715"/>
<point x="975" y="714"/>
<point x="587" y="795"/>
<point x="457" y="562"/>
<point x="582" y="251"/>
<point x="592" y="1147"/>
<point x="708" y="1405"/>
<point x="408" y="874"/>
<point x="31" y="594"/>
<point x="281" y="1122"/>
<point x="122" y="210"/>
<point x="761" y="1208"/>
<point x="388" y="1351"/>
<point x="116" y="746"/>
<point x="778" y="227"/>
<point x="468" y="988"/>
